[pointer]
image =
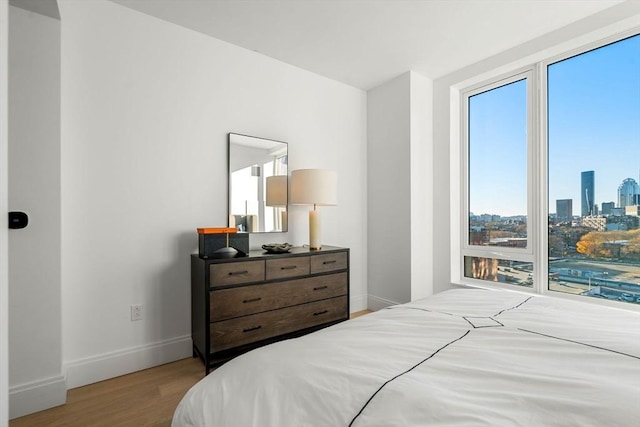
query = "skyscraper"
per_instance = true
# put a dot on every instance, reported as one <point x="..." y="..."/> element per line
<point x="628" y="193"/>
<point x="587" y="192"/>
<point x="564" y="210"/>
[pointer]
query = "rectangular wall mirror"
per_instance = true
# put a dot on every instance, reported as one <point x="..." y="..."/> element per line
<point x="258" y="189"/>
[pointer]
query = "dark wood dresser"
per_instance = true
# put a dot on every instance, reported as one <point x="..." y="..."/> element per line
<point x="241" y="303"/>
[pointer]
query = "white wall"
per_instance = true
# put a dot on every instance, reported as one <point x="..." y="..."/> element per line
<point x="4" y="238"/>
<point x="146" y="108"/>
<point x="389" y="192"/>
<point x="400" y="188"/>
<point x="422" y="183"/>
<point x="35" y="352"/>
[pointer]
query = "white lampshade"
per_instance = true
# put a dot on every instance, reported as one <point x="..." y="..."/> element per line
<point x="277" y="190"/>
<point x="314" y="187"/>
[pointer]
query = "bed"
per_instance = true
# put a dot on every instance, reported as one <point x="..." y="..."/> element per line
<point x="464" y="357"/>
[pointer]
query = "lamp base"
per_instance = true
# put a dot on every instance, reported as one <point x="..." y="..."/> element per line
<point x="314" y="230"/>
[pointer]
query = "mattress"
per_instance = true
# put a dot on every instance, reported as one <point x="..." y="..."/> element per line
<point x="465" y="357"/>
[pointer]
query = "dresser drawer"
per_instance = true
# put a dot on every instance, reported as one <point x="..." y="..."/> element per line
<point x="281" y="268"/>
<point x="234" y="273"/>
<point x="328" y="262"/>
<point x="248" y="329"/>
<point x="235" y="302"/>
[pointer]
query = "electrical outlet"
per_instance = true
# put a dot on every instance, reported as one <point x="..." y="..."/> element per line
<point x="136" y="312"/>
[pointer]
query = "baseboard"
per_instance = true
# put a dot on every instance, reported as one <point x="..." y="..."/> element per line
<point x="37" y="396"/>
<point x="110" y="365"/>
<point x="376" y="303"/>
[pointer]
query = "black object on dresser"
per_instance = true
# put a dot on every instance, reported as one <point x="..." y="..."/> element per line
<point x="242" y="303"/>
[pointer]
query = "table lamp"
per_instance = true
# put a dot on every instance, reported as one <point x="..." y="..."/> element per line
<point x="317" y="187"/>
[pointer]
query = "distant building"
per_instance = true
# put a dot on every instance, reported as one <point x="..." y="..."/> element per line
<point x="632" y="210"/>
<point x="596" y="222"/>
<point x="587" y="192"/>
<point x="489" y="218"/>
<point x="616" y="227"/>
<point x="478" y="236"/>
<point x="626" y="222"/>
<point x="564" y="210"/>
<point x="628" y="193"/>
<point x="607" y="208"/>
<point x="617" y="212"/>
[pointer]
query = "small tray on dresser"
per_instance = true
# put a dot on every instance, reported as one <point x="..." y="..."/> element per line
<point x="277" y="248"/>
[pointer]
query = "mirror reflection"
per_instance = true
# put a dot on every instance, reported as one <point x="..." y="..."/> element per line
<point x="257" y="184"/>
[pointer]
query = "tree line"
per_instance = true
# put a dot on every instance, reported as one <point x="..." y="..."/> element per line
<point x="623" y="245"/>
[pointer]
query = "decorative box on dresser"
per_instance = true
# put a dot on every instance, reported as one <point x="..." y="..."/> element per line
<point x="242" y="303"/>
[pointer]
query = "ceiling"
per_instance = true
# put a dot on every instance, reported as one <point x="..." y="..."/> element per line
<point x="365" y="43"/>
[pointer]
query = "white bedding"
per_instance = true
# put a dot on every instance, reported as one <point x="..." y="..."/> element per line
<point x="460" y="358"/>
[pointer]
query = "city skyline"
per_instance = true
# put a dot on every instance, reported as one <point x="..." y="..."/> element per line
<point x="552" y="202"/>
<point x="593" y="125"/>
<point x="613" y="194"/>
<point x="598" y="205"/>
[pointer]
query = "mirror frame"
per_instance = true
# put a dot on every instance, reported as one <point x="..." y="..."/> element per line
<point x="261" y="186"/>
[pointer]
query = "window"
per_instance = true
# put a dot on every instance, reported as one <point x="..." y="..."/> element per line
<point x="593" y="110"/>
<point x="497" y="144"/>
<point x="559" y="211"/>
<point x="498" y="138"/>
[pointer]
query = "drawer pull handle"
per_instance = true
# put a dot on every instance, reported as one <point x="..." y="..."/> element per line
<point x="289" y="267"/>
<point x="320" y="312"/>
<point x="333" y="261"/>
<point x="252" y="300"/>
<point x="233" y="273"/>
<point x="254" y="328"/>
<point x="319" y="288"/>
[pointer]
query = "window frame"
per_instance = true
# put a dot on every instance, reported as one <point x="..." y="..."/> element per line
<point x="529" y="74"/>
<point x="537" y="174"/>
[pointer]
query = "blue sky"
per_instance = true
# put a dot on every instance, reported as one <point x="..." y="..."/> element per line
<point x="498" y="151"/>
<point x="594" y="124"/>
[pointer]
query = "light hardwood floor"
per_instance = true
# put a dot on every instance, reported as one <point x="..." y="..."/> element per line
<point x="144" y="398"/>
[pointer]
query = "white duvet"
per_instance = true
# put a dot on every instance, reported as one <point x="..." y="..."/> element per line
<point x="460" y="358"/>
